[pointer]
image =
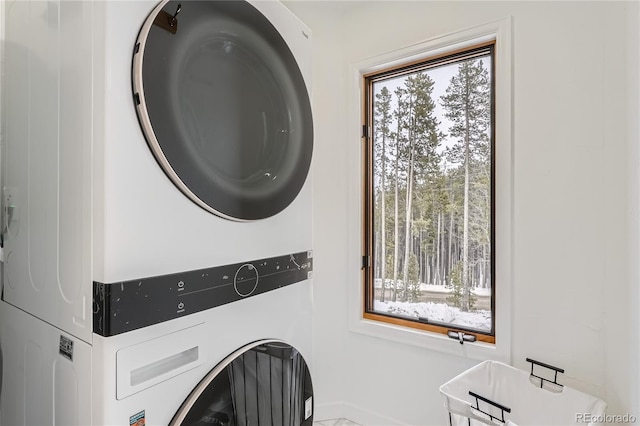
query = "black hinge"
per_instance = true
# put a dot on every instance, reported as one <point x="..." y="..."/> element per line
<point x="365" y="131"/>
<point x="366" y="261"/>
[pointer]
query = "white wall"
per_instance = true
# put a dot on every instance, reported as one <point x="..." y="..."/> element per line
<point x="575" y="297"/>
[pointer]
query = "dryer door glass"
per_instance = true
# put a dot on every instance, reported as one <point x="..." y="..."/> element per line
<point x="223" y="106"/>
<point x="263" y="384"/>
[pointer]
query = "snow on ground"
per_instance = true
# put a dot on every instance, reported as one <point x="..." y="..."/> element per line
<point x="438" y="312"/>
<point x="434" y="288"/>
<point x="444" y="289"/>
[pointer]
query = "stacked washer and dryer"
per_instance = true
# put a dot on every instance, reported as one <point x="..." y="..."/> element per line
<point x="156" y="208"/>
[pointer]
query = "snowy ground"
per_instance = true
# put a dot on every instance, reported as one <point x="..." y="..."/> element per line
<point x="442" y="289"/>
<point x="434" y="288"/>
<point x="439" y="312"/>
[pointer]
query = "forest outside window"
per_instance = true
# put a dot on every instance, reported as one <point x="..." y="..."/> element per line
<point x="429" y="194"/>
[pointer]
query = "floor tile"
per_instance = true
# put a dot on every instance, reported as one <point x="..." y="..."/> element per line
<point x="335" y="422"/>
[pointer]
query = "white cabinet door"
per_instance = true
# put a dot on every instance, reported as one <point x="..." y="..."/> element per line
<point x="47" y="379"/>
<point x="47" y="153"/>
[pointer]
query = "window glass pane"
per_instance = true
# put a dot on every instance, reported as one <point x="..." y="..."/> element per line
<point x="431" y="194"/>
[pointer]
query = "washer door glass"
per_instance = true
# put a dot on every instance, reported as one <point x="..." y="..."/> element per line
<point x="223" y="106"/>
<point x="265" y="383"/>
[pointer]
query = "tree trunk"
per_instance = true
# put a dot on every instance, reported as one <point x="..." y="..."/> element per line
<point x="396" y="219"/>
<point x="407" y="228"/>
<point x="437" y="279"/>
<point x="465" y="220"/>
<point x="383" y="220"/>
<point x="450" y="249"/>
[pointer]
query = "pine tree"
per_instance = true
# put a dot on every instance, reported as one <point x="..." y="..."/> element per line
<point x="458" y="296"/>
<point x="455" y="298"/>
<point x="412" y="282"/>
<point x="419" y="127"/>
<point x="467" y="103"/>
<point x="382" y="121"/>
<point x="396" y="210"/>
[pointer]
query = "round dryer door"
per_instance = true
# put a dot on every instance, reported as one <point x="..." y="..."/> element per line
<point x="264" y="383"/>
<point x="223" y="106"/>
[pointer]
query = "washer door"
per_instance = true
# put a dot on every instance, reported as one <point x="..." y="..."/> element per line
<point x="264" y="383"/>
<point x="223" y="106"/>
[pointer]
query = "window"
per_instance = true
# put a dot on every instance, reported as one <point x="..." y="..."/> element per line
<point x="429" y="214"/>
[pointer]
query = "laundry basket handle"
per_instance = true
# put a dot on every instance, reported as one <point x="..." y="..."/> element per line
<point x="556" y="370"/>
<point x="495" y="404"/>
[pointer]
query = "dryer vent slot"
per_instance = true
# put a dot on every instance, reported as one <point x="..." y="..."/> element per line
<point x="163" y="366"/>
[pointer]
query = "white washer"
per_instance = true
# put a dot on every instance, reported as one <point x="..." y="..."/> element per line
<point x="101" y="230"/>
<point x="152" y="373"/>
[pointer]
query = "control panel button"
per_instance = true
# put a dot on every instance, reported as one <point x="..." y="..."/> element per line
<point x="245" y="281"/>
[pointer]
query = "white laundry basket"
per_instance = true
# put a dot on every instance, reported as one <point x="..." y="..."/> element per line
<point x="494" y="393"/>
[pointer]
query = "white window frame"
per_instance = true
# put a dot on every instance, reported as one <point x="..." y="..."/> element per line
<point x="500" y="32"/>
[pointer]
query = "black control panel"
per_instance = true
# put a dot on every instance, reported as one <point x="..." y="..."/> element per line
<point x="129" y="305"/>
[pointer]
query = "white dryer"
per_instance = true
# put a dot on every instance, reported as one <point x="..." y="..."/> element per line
<point x="224" y="105"/>
<point x="156" y="189"/>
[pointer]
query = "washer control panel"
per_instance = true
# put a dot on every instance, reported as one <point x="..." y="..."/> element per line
<point x="129" y="305"/>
